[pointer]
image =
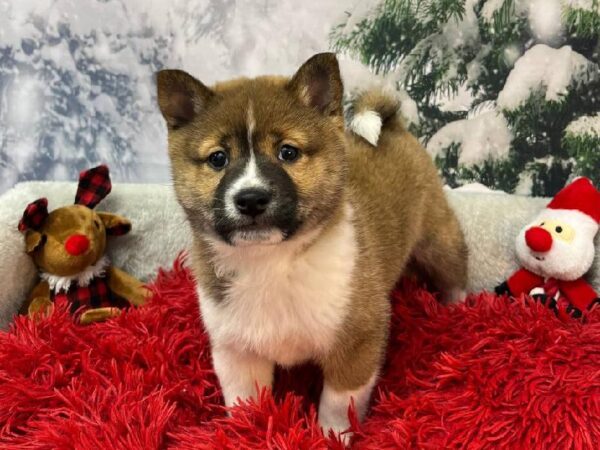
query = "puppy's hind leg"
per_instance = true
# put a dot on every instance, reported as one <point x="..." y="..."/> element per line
<point x="443" y="255"/>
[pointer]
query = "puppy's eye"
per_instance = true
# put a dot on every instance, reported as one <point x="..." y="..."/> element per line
<point x="558" y="229"/>
<point x="218" y="160"/>
<point x="288" y="153"/>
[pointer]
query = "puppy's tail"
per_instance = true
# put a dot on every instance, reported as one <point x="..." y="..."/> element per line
<point x="373" y="110"/>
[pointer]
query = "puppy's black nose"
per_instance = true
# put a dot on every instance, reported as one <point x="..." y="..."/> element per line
<point x="252" y="202"/>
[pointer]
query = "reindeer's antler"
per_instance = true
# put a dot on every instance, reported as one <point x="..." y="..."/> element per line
<point x="94" y="185"/>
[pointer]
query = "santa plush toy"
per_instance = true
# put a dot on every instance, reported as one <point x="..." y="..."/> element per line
<point x="557" y="249"/>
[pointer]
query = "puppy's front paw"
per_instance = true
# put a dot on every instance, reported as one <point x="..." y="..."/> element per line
<point x="334" y="408"/>
<point x="338" y="426"/>
<point x="454" y="295"/>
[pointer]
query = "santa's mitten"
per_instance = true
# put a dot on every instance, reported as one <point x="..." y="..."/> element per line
<point x="549" y="303"/>
<point x="502" y="289"/>
<point x="573" y="312"/>
<point x="576" y="313"/>
<point x="543" y="299"/>
<point x="565" y="311"/>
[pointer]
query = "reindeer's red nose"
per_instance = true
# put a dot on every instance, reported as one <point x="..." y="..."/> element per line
<point x="77" y="244"/>
<point x="538" y="239"/>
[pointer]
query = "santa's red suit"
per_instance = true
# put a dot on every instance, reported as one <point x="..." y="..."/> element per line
<point x="556" y="250"/>
<point x="564" y="297"/>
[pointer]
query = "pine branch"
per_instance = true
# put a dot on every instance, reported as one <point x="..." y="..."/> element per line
<point x="388" y="36"/>
<point x="583" y="23"/>
<point x="407" y="37"/>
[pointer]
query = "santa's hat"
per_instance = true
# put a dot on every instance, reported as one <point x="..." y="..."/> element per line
<point x="580" y="196"/>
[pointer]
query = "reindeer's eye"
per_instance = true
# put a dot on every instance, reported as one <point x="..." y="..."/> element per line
<point x="97" y="223"/>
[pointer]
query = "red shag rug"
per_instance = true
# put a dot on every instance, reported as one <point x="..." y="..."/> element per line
<point x="486" y="374"/>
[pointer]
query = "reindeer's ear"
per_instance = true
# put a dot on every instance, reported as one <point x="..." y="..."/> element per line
<point x="318" y="84"/>
<point x="115" y="225"/>
<point x="34" y="240"/>
<point x="180" y="96"/>
<point x="94" y="185"/>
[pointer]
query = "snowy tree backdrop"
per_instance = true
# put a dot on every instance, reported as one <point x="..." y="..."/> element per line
<point x="502" y="92"/>
<point x="508" y="91"/>
<point x="76" y="76"/>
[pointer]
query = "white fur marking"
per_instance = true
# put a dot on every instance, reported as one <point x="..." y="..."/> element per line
<point x="250" y="126"/>
<point x="333" y="407"/>
<point x="368" y="125"/>
<point x="251" y="177"/>
<point x="240" y="374"/>
<point x="59" y="283"/>
<point x="285" y="302"/>
<point x="455" y="295"/>
<point x="257" y="237"/>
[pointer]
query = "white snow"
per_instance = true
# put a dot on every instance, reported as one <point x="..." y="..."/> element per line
<point x="547" y="69"/>
<point x="357" y="77"/>
<point x="545" y="20"/>
<point x="525" y="184"/>
<point x="521" y="7"/>
<point x="361" y="10"/>
<point x="23" y="152"/>
<point x="455" y="37"/>
<point x="511" y="54"/>
<point x="25" y="101"/>
<point x="48" y="118"/>
<point x="464" y="32"/>
<point x="461" y="101"/>
<point x="482" y="137"/>
<point x="589" y="125"/>
<point x="408" y="108"/>
<point x="477" y="188"/>
<point x="545" y="17"/>
<point x="482" y="108"/>
<point x="583" y="4"/>
<point x="490" y="7"/>
<point x="108" y="109"/>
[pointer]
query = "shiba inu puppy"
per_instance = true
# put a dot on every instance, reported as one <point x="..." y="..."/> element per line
<point x="302" y="229"/>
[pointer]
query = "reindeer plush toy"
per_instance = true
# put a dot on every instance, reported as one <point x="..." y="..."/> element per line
<point x="68" y="246"/>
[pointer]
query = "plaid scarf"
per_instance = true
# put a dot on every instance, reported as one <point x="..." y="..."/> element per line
<point x="86" y="290"/>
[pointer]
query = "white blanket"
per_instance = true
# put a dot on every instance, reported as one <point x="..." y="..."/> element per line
<point x="490" y="222"/>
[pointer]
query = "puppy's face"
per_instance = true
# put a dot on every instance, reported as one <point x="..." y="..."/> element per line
<point x="257" y="161"/>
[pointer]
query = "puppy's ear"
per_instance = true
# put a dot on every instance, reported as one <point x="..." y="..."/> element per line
<point x="318" y="84"/>
<point x="34" y="240"/>
<point x="180" y="96"/>
<point x="115" y="225"/>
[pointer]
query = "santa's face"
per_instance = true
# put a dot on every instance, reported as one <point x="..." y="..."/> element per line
<point x="558" y="244"/>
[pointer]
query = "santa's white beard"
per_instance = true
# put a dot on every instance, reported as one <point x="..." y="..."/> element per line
<point x="564" y="261"/>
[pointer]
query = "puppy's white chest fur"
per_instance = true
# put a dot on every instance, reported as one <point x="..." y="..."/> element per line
<point x="286" y="302"/>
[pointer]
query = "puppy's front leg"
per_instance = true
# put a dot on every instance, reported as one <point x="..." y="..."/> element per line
<point x="240" y="372"/>
<point x="349" y="376"/>
<point x="333" y="407"/>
